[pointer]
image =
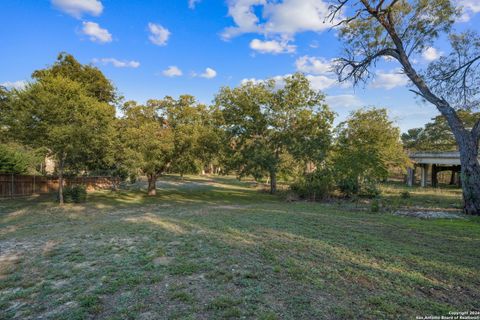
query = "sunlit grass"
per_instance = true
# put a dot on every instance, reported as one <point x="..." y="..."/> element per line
<point x="213" y="247"/>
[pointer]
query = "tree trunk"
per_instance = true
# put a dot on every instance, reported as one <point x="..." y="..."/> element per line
<point x="152" y="184"/>
<point x="470" y="174"/>
<point x="60" y="181"/>
<point x="273" y="182"/>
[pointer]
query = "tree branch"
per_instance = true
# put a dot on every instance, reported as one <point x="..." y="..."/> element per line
<point x="359" y="68"/>
<point x="417" y="92"/>
<point x="450" y="74"/>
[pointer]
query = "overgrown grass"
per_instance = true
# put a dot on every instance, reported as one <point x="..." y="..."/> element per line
<point x="209" y="248"/>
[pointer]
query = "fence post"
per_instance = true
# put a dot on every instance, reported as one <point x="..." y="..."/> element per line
<point x="11" y="187"/>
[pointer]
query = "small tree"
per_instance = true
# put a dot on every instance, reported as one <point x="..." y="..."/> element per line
<point x="147" y="140"/>
<point x="264" y="124"/>
<point x="367" y="146"/>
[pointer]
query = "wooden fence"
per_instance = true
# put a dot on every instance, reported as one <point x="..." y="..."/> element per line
<point x="12" y="185"/>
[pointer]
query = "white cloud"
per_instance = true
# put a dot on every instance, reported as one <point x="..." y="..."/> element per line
<point x="389" y="80"/>
<point x="172" y="71"/>
<point x="316" y="82"/>
<point x="272" y="46"/>
<point x="96" y="33"/>
<point x="431" y="54"/>
<point x="209" y="73"/>
<point x="469" y="9"/>
<point x="158" y="34"/>
<point x="77" y="8"/>
<point x="14" y="85"/>
<point x="314" y="65"/>
<point x="193" y="3"/>
<point x="118" y="63"/>
<point x="252" y="80"/>
<point x="321" y="82"/>
<point x="243" y="16"/>
<point x="284" y="18"/>
<point x="293" y="16"/>
<point x="279" y="81"/>
<point x="319" y="71"/>
<point x="347" y="101"/>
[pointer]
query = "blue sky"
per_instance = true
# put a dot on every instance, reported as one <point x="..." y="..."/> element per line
<point x="153" y="48"/>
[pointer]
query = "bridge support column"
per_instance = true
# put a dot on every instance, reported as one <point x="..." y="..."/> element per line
<point x="424" y="179"/>
<point x="434" y="176"/>
<point x="410" y="176"/>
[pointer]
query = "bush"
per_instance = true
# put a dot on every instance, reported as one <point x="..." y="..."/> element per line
<point x="14" y="159"/>
<point x="351" y="186"/>
<point x="314" y="186"/>
<point x="74" y="194"/>
<point x="405" y="195"/>
<point x="370" y="189"/>
<point x="375" y="206"/>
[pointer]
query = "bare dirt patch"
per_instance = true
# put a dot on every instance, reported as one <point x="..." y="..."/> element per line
<point x="162" y="261"/>
<point x="421" y="214"/>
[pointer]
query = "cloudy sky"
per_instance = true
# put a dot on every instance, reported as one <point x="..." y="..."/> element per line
<point x="153" y="48"/>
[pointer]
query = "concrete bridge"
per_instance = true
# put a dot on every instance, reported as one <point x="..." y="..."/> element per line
<point x="430" y="164"/>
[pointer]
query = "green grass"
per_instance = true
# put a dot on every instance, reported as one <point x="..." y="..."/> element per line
<point x="230" y="251"/>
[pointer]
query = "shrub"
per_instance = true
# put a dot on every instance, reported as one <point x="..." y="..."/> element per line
<point x="14" y="159"/>
<point x="314" y="186"/>
<point x="375" y="206"/>
<point x="405" y="195"/>
<point x="370" y="189"/>
<point x="74" y="194"/>
<point x="351" y="186"/>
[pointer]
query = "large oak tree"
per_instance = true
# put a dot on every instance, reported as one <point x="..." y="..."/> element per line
<point x="266" y="125"/>
<point x="57" y="114"/>
<point x="68" y="110"/>
<point x="400" y="30"/>
<point x="147" y="141"/>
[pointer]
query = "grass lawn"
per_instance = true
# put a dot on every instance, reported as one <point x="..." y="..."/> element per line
<point x="208" y="248"/>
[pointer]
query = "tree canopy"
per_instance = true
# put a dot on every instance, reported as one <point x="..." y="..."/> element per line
<point x="193" y="132"/>
<point x="93" y="81"/>
<point x="367" y="147"/>
<point x="60" y="115"/>
<point x="148" y="141"/>
<point x="264" y="124"/>
<point x="436" y="135"/>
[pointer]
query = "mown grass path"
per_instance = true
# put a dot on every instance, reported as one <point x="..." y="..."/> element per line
<point x="216" y="248"/>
